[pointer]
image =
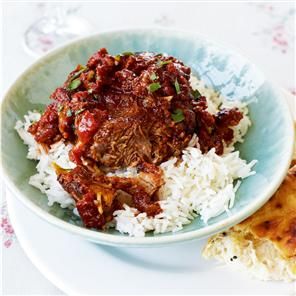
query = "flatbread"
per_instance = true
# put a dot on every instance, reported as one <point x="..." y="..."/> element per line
<point x="276" y="220"/>
<point x="264" y="244"/>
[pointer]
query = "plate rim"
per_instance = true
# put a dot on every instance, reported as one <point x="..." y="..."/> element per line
<point x="53" y="276"/>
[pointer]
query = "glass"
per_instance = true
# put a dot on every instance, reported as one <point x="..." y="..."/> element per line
<point x="59" y="24"/>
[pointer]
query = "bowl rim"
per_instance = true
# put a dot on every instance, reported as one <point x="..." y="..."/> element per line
<point x="124" y="240"/>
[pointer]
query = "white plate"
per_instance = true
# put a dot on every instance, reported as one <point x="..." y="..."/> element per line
<point x="79" y="267"/>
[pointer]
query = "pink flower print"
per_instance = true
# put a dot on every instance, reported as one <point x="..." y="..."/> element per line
<point x="7" y="231"/>
<point x="277" y="30"/>
<point x="279" y="38"/>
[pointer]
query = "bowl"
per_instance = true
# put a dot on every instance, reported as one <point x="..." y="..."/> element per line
<point x="269" y="140"/>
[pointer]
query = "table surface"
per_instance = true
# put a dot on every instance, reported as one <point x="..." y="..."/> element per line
<point x="263" y="32"/>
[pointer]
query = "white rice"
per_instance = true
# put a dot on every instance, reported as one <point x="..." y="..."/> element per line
<point x="46" y="180"/>
<point x="201" y="185"/>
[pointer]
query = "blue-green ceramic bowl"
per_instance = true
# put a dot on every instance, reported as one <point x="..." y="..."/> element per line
<point x="269" y="140"/>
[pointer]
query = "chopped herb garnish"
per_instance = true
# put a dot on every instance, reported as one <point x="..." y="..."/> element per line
<point x="162" y="63"/>
<point x="38" y="111"/>
<point x="79" y="111"/>
<point x="117" y="58"/>
<point x="177" y="87"/>
<point x="74" y="84"/>
<point x="154" y="87"/>
<point x="60" y="108"/>
<point x="127" y="53"/>
<point x="177" y="115"/>
<point x="153" y="76"/>
<point x="69" y="113"/>
<point x="74" y="80"/>
<point x="77" y="74"/>
<point x="196" y="94"/>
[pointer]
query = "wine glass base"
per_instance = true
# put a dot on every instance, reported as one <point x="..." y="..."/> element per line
<point x="47" y="33"/>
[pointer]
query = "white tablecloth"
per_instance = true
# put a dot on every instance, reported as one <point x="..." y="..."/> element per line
<point x="263" y="32"/>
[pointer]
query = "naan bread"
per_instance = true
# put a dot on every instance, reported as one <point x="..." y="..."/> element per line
<point x="265" y="243"/>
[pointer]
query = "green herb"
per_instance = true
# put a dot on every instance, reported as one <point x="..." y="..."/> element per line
<point x="74" y="84"/>
<point x="60" y="108"/>
<point x="154" y="87"/>
<point x="177" y="115"/>
<point x="38" y="111"/>
<point x="177" y="87"/>
<point x="79" y="111"/>
<point x="117" y="58"/>
<point x="196" y="94"/>
<point x="127" y="53"/>
<point x="77" y="74"/>
<point x="74" y="80"/>
<point x="162" y="63"/>
<point x="153" y="76"/>
<point x="69" y="113"/>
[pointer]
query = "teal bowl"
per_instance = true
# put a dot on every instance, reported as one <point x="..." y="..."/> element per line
<point x="269" y="140"/>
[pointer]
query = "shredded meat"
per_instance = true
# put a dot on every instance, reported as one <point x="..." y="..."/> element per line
<point x="214" y="130"/>
<point x="130" y="110"/>
<point x="97" y="196"/>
